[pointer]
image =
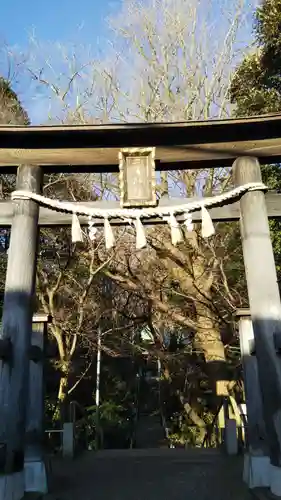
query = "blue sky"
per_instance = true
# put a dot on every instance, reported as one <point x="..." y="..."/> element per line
<point x="71" y="23"/>
<point x="54" y="19"/>
<point x="68" y="22"/>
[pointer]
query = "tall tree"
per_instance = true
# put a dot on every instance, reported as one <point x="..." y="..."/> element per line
<point x="256" y="84"/>
<point x="256" y="88"/>
<point x="176" y="70"/>
<point x="179" y="57"/>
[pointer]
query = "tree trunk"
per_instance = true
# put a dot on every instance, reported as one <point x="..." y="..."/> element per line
<point x="208" y="340"/>
<point x="63" y="394"/>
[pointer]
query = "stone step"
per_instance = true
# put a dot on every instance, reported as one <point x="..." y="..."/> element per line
<point x="150" y="433"/>
<point x="150" y="475"/>
<point x="193" y="455"/>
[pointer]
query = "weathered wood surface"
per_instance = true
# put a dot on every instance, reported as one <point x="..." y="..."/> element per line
<point x="227" y="213"/>
<point x="178" y="145"/>
<point x="132" y="134"/>
<point x="264" y="301"/>
<point x="17" y="325"/>
<point x="34" y="419"/>
<point x="35" y="471"/>
<point x="183" y="157"/>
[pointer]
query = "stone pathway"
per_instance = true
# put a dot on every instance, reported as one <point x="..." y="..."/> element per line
<point x="149" y="475"/>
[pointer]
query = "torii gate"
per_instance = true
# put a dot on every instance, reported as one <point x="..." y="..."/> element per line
<point x="95" y="149"/>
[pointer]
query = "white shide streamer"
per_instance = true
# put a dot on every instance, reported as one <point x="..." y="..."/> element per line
<point x="76" y="231"/>
<point x="92" y="230"/>
<point x="108" y="235"/>
<point x="140" y="234"/>
<point x="168" y="213"/>
<point x="188" y="222"/>
<point x="207" y="223"/>
<point x="176" y="232"/>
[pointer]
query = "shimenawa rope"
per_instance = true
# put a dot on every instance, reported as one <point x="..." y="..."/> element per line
<point x="135" y="215"/>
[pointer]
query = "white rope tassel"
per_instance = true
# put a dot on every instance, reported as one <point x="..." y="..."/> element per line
<point x="176" y="233"/>
<point x="108" y="235"/>
<point x="140" y="237"/>
<point x="188" y="222"/>
<point x="76" y="231"/>
<point x="207" y="223"/>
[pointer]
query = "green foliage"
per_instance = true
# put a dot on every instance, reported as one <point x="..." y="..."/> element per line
<point x="110" y="414"/>
<point x="114" y="419"/>
<point x="112" y="422"/>
<point x="183" y="433"/>
<point x="272" y="178"/>
<point x="267" y="27"/>
<point x="256" y="89"/>
<point x="256" y="84"/>
<point x="51" y="414"/>
<point x="11" y="110"/>
<point x="249" y="90"/>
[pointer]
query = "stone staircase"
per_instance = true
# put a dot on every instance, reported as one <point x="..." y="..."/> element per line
<point x="150" y="432"/>
<point x="151" y="471"/>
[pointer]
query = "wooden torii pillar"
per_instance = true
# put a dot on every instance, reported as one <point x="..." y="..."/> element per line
<point x="265" y="306"/>
<point x="34" y="463"/>
<point x="15" y="335"/>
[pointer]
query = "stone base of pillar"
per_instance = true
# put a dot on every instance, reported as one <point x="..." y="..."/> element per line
<point x="256" y="473"/>
<point x="68" y="440"/>
<point x="35" y="476"/>
<point x="259" y="473"/>
<point x="275" y="480"/>
<point x="12" y="486"/>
